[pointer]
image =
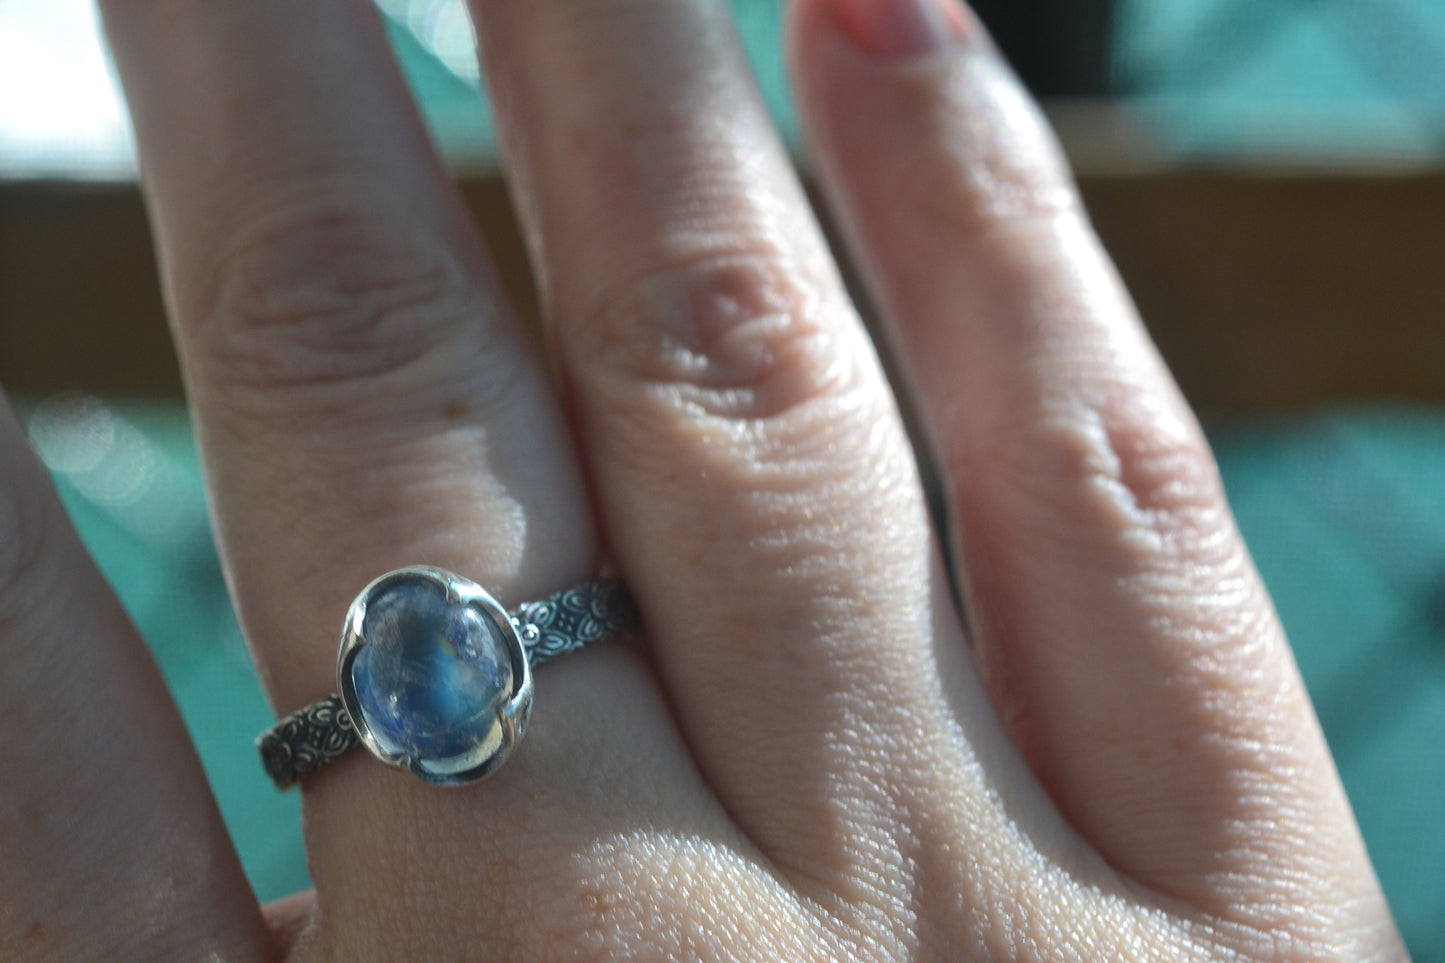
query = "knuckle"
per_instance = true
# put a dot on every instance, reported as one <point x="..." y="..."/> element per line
<point x="734" y="336"/>
<point x="743" y="372"/>
<point x="1143" y="486"/>
<point x="330" y="291"/>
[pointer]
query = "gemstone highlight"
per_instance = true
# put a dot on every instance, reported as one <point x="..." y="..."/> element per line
<point x="431" y="677"/>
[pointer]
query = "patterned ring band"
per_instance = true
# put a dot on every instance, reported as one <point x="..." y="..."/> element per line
<point x="435" y="677"/>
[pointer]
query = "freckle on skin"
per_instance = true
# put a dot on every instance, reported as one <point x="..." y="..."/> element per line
<point x="454" y="411"/>
<point x="34" y="933"/>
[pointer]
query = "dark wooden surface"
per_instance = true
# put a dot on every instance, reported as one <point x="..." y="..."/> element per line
<point x="1264" y="293"/>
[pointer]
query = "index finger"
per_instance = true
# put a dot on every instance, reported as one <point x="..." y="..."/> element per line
<point x="363" y="398"/>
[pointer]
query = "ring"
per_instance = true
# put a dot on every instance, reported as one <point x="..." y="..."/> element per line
<point x="435" y="677"/>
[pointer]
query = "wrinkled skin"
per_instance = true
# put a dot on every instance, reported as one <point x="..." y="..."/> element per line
<point x="805" y="755"/>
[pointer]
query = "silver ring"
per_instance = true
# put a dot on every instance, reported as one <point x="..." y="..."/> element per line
<point x="435" y="677"/>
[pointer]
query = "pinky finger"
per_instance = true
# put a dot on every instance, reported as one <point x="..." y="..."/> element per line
<point x="111" y="846"/>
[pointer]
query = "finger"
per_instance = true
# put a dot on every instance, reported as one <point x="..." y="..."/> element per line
<point x="362" y="398"/>
<point x="362" y="394"/>
<point x="111" y="846"/>
<point x="1125" y="637"/>
<point x="758" y="487"/>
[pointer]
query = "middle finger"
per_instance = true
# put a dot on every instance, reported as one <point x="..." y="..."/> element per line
<point x="751" y="467"/>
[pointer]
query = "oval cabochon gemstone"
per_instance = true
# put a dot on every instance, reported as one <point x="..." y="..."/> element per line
<point x="431" y="677"/>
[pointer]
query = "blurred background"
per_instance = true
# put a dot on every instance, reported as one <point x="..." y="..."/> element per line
<point x="1268" y="174"/>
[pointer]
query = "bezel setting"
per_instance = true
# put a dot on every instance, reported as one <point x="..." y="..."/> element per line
<point x="512" y="715"/>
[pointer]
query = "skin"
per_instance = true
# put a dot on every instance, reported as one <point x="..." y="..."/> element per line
<point x="805" y="756"/>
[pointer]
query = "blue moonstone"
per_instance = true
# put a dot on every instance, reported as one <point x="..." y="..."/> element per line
<point x="431" y="677"/>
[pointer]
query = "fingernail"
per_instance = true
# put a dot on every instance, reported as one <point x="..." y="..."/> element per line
<point x="895" y="29"/>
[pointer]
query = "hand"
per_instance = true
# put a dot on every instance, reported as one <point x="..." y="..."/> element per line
<point x="805" y="757"/>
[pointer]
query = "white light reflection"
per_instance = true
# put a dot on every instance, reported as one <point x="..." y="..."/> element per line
<point x="61" y="112"/>
<point x="113" y="465"/>
<point x="443" y="28"/>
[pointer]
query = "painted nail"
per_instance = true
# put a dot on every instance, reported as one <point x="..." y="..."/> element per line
<point x="895" y="29"/>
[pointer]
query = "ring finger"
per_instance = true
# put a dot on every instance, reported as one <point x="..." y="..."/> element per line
<point x="362" y="397"/>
